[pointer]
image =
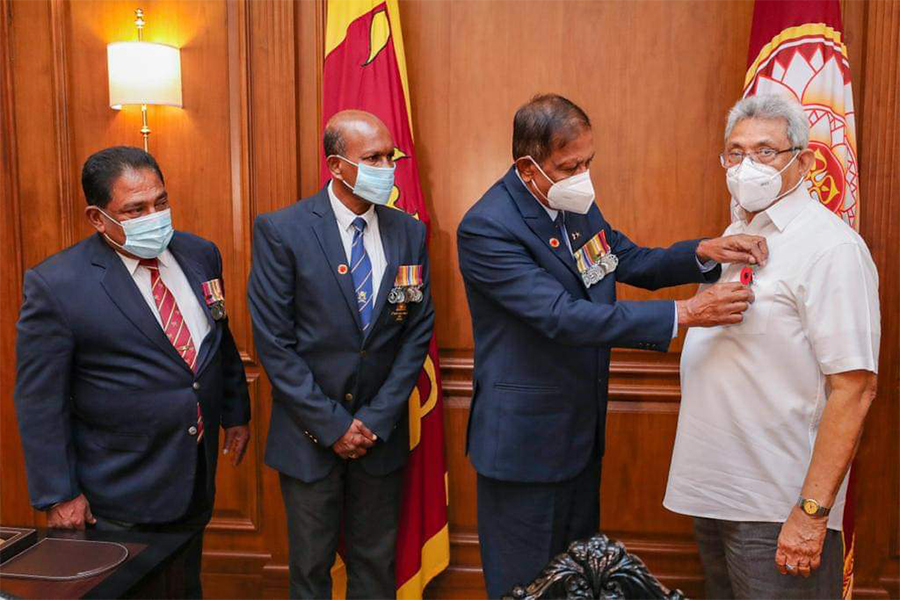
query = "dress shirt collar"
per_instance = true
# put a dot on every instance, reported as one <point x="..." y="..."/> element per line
<point x="782" y="212"/>
<point x="345" y="216"/>
<point x="131" y="264"/>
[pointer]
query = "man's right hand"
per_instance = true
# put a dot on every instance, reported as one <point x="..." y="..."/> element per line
<point x="719" y="304"/>
<point x="355" y="441"/>
<point x="72" y="514"/>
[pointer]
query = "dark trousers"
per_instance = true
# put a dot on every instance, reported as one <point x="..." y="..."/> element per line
<point x="367" y="506"/>
<point x="521" y="526"/>
<point x="738" y="560"/>
<point x="183" y="580"/>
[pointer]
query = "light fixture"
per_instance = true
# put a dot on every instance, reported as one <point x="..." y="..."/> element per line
<point x="143" y="73"/>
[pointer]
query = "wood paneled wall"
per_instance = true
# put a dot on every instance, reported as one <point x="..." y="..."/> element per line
<point x="656" y="77"/>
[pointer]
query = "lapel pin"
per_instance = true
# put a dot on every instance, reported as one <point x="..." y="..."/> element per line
<point x="342" y="269"/>
<point x="576" y="235"/>
<point x="746" y="275"/>
<point x="554" y="243"/>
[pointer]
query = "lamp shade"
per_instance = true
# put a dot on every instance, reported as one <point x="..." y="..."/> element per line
<point x="143" y="73"/>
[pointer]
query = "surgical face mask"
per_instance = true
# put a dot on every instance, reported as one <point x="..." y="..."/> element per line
<point x="373" y="184"/>
<point x="756" y="186"/>
<point x="572" y="194"/>
<point x="147" y="236"/>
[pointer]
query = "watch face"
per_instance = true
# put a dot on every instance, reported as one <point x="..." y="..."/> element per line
<point x="810" y="507"/>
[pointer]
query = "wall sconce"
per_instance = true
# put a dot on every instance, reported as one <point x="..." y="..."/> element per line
<point x="143" y="73"/>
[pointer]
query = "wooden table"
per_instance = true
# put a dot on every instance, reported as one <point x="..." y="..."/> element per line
<point x="145" y="574"/>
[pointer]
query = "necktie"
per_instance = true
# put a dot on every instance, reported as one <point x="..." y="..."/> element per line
<point x="560" y="222"/>
<point x="173" y="324"/>
<point x="361" y="271"/>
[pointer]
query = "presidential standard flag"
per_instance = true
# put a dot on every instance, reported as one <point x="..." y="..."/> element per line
<point x="365" y="68"/>
<point x="797" y="50"/>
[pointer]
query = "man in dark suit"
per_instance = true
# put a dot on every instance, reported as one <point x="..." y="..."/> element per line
<point x="540" y="265"/>
<point x="342" y="318"/>
<point x="127" y="368"/>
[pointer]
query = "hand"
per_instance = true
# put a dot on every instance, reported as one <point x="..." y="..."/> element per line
<point x="800" y="543"/>
<point x="72" y="514"/>
<point x="355" y="441"/>
<point x="236" y="439"/>
<point x="735" y="249"/>
<point x="719" y="304"/>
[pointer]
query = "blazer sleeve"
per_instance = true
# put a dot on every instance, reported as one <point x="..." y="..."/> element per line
<point x="235" y="395"/>
<point x="386" y="408"/>
<point x="45" y="347"/>
<point x="655" y="268"/>
<point x="499" y="267"/>
<point x="271" y="297"/>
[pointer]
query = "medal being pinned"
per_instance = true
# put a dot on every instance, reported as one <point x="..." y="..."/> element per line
<point x="595" y="260"/>
<point x="215" y="298"/>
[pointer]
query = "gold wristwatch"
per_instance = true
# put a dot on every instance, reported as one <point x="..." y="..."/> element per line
<point x="812" y="508"/>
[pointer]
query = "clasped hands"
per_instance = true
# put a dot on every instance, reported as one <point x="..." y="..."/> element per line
<point x="355" y="442"/>
<point x="723" y="303"/>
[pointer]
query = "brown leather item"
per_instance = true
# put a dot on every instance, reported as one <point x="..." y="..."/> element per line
<point x="65" y="559"/>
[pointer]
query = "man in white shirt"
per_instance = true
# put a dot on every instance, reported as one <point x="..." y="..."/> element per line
<point x="773" y="407"/>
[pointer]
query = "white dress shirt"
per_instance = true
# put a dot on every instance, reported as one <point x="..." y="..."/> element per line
<point x="173" y="277"/>
<point x="753" y="393"/>
<point x="371" y="236"/>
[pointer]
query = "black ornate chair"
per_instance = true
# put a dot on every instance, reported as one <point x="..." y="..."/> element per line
<point x="595" y="568"/>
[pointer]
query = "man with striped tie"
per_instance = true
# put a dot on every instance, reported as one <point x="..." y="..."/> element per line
<point x="127" y="367"/>
<point x="342" y="318"/>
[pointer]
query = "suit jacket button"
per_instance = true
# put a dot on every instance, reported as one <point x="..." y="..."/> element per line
<point x="348" y="397"/>
<point x="196" y="385"/>
<point x="362" y="353"/>
<point x="192" y="430"/>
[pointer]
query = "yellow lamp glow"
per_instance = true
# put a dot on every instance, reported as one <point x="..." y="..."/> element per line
<point x="143" y="73"/>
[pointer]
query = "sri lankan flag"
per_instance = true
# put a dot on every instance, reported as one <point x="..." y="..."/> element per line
<point x="365" y="69"/>
<point x="797" y="50"/>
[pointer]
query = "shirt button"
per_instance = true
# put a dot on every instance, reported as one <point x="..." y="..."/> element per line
<point x="192" y="430"/>
<point x="362" y="353"/>
<point x="196" y="385"/>
<point x="348" y="397"/>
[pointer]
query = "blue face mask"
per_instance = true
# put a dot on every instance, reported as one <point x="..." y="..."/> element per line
<point x="147" y="236"/>
<point x="373" y="184"/>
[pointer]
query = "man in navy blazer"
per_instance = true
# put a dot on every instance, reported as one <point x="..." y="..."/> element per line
<point x="342" y="318"/>
<point x="119" y="423"/>
<point x="540" y="265"/>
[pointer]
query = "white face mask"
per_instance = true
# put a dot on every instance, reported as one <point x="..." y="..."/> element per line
<point x="572" y="194"/>
<point x="756" y="186"/>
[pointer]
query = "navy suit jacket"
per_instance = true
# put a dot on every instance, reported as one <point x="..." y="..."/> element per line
<point x="103" y="399"/>
<point x="308" y="333"/>
<point x="542" y="339"/>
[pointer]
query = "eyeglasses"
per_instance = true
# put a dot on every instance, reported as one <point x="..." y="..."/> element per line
<point x="762" y="156"/>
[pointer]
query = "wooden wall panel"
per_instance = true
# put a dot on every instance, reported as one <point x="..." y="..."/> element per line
<point x="655" y="76"/>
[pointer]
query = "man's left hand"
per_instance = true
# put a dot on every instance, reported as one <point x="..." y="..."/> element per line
<point x="236" y="439"/>
<point x="735" y="249"/>
<point x="800" y="543"/>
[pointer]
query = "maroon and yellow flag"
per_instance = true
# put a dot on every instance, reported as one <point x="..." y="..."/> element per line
<point x="797" y="50"/>
<point x="365" y="68"/>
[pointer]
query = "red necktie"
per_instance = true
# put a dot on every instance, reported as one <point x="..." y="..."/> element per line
<point x="173" y="324"/>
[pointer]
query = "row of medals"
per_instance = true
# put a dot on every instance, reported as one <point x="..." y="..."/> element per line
<point x="406" y="293"/>
<point x="606" y="265"/>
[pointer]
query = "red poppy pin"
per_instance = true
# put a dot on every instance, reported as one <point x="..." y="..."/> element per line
<point x="554" y="243"/>
<point x="342" y="269"/>
<point x="746" y="276"/>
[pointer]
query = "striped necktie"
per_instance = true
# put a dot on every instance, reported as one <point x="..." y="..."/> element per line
<point x="361" y="271"/>
<point x="173" y="324"/>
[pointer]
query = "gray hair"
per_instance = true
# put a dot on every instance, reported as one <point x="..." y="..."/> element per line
<point x="771" y="106"/>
